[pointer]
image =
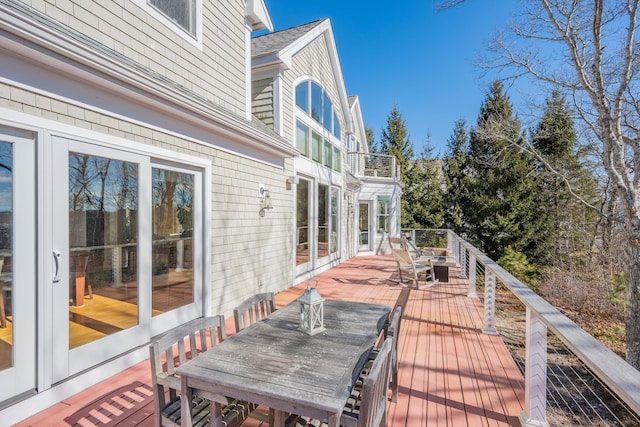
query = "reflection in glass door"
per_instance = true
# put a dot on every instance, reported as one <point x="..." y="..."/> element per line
<point x="303" y="243"/>
<point x="17" y="262"/>
<point x="172" y="219"/>
<point x="364" y="226"/>
<point x="103" y="234"/>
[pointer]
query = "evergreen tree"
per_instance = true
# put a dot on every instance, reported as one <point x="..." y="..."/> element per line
<point x="371" y="142"/>
<point x="454" y="167"/>
<point x="425" y="192"/>
<point x="503" y="210"/>
<point x="571" y="222"/>
<point x="395" y="142"/>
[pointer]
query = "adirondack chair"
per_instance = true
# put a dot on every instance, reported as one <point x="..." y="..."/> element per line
<point x="406" y="264"/>
<point x="176" y="347"/>
<point x="367" y="404"/>
<point x="254" y="309"/>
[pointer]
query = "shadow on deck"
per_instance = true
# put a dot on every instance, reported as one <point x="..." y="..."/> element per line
<point x="451" y="374"/>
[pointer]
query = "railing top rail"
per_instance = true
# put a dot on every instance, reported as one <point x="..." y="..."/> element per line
<point x="612" y="370"/>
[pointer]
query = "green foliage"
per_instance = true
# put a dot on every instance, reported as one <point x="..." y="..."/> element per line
<point x="571" y="222"/>
<point x="455" y="179"/>
<point x="424" y="193"/>
<point x="619" y="290"/>
<point x="395" y="142"/>
<point x="518" y="265"/>
<point x="502" y="207"/>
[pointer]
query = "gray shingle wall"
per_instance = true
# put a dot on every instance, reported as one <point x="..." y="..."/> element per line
<point x="262" y="101"/>
<point x="217" y="72"/>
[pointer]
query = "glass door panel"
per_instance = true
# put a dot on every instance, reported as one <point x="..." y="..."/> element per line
<point x="364" y="226"/>
<point x="323" y="230"/>
<point x="103" y="234"/>
<point x="172" y="219"/>
<point x="335" y="209"/>
<point x="17" y="262"/>
<point x="303" y="211"/>
<point x="97" y="301"/>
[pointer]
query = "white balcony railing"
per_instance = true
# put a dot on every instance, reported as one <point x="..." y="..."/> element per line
<point x="542" y="321"/>
<point x="373" y="165"/>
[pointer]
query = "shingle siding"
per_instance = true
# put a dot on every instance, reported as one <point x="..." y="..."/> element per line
<point x="262" y="101"/>
<point x="217" y="72"/>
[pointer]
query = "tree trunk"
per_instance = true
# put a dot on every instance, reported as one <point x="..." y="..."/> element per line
<point x="633" y="295"/>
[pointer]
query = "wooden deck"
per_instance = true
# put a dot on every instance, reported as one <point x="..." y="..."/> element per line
<point x="450" y="373"/>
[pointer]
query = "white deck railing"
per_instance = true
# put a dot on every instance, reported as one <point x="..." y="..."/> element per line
<point x="615" y="373"/>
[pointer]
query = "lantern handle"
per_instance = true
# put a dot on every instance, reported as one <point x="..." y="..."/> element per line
<point x="310" y="283"/>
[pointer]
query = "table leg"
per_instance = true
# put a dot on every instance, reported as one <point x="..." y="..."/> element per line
<point x="216" y="415"/>
<point x="279" y="418"/>
<point x="334" y="421"/>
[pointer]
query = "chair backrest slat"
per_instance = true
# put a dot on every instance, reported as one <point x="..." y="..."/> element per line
<point x="254" y="309"/>
<point x="373" y="407"/>
<point x="176" y="347"/>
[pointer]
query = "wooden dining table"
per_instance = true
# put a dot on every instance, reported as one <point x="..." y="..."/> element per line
<point x="275" y="364"/>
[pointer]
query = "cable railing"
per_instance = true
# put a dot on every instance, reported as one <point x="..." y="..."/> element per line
<point x="571" y="378"/>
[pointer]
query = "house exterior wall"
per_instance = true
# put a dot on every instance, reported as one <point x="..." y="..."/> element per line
<point x="243" y="252"/>
<point x="262" y="98"/>
<point x="216" y="71"/>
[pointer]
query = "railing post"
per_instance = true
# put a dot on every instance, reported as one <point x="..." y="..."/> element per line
<point x="535" y="374"/>
<point x="489" y="303"/>
<point x="472" y="276"/>
<point x="463" y="261"/>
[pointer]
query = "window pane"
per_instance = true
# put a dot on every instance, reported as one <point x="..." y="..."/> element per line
<point x="328" y="154"/>
<point x="172" y="240"/>
<point x="333" y="247"/>
<point x="182" y="12"/>
<point x="323" y="220"/>
<point x="103" y="247"/>
<point x="302" y="96"/>
<point x="302" y="222"/>
<point x="316" y="146"/>
<point x="316" y="102"/>
<point x="327" y="112"/>
<point x="336" y="126"/>
<point x="383" y="214"/>
<point x="6" y="252"/>
<point x="302" y="139"/>
<point x="337" y="159"/>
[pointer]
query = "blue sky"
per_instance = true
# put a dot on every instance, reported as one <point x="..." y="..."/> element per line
<point x="408" y="53"/>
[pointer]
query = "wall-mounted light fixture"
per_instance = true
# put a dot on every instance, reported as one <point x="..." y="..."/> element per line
<point x="265" y="200"/>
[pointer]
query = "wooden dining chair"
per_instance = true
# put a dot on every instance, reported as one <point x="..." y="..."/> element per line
<point x="176" y="347"/>
<point x="367" y="404"/>
<point x="254" y="309"/>
<point x="247" y="313"/>
<point x="392" y="331"/>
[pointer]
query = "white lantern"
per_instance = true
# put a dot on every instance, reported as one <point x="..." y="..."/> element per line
<point x="311" y="312"/>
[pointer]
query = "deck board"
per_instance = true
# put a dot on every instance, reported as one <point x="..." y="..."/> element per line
<point x="451" y="374"/>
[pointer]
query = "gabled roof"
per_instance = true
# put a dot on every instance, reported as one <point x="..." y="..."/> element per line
<point x="272" y="43"/>
<point x="278" y="48"/>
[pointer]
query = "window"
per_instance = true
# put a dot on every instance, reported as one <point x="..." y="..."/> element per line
<point x="316" y="102"/>
<point x="302" y="138"/>
<point x="384" y="208"/>
<point x="316" y="147"/>
<point x="337" y="159"/>
<point x="327" y="110"/>
<point x="328" y="154"/>
<point x="181" y="12"/>
<point x="302" y="96"/>
<point x="336" y="126"/>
